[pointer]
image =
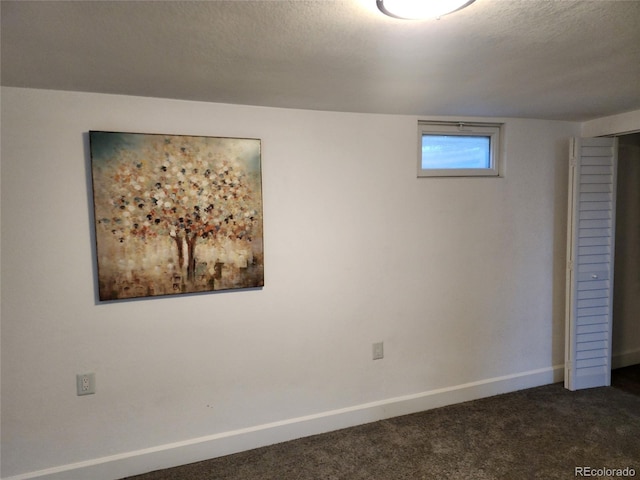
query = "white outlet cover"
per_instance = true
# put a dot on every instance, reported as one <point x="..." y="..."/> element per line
<point x="86" y="383"/>
<point x="378" y="351"/>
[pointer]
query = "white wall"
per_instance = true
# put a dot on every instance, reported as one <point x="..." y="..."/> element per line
<point x="628" y="122"/>
<point x="463" y="280"/>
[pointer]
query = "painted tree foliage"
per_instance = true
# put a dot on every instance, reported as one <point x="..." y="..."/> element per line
<point x="173" y="212"/>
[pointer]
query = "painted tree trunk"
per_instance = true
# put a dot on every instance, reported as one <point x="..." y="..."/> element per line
<point x="180" y="245"/>
<point x="191" y="265"/>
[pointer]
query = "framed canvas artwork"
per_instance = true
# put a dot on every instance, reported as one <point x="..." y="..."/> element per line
<point x="176" y="214"/>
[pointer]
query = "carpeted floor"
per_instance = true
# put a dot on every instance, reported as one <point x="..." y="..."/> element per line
<point x="539" y="433"/>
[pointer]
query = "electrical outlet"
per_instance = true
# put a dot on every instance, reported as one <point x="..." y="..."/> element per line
<point x="378" y="350"/>
<point x="86" y="383"/>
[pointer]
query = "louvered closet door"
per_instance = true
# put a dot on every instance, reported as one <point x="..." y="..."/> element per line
<point x="590" y="255"/>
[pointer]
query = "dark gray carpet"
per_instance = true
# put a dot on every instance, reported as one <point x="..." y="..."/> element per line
<point x="540" y="433"/>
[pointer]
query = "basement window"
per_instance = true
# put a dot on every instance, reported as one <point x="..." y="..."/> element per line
<point x="459" y="149"/>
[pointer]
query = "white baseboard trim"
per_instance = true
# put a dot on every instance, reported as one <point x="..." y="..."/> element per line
<point x="211" y="446"/>
<point x="625" y="359"/>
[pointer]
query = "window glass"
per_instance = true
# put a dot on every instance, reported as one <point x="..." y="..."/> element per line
<point x="457" y="149"/>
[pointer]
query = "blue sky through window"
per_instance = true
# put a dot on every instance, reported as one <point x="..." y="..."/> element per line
<point x="455" y="151"/>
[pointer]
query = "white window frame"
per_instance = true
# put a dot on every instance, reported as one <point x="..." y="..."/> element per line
<point x="467" y="129"/>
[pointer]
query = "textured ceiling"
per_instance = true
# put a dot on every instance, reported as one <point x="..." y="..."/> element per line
<point x="561" y="59"/>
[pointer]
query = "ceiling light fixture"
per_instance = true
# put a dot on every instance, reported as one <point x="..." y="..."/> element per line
<point x="420" y="9"/>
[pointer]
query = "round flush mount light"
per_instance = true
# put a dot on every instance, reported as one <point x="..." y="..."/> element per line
<point x="420" y="9"/>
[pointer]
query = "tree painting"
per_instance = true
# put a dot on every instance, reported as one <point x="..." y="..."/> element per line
<point x="176" y="214"/>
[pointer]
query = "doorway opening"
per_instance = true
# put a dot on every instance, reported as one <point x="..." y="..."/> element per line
<point x="625" y="347"/>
